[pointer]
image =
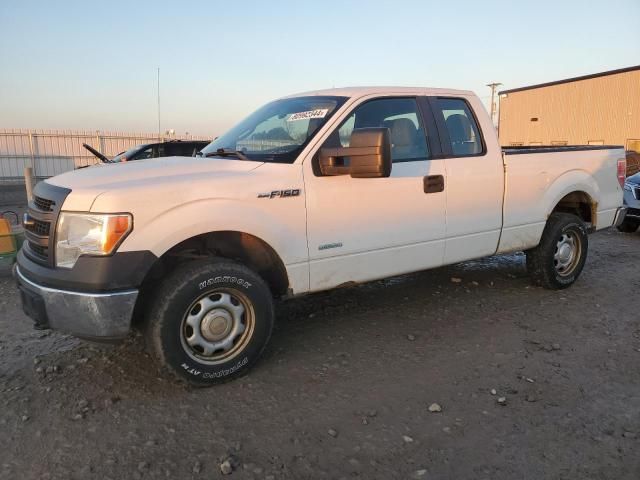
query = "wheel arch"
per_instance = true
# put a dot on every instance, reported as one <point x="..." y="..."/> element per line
<point x="574" y="192"/>
<point x="578" y="203"/>
<point x="242" y="247"/>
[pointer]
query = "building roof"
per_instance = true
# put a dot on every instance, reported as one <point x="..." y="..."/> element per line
<point x="573" y="79"/>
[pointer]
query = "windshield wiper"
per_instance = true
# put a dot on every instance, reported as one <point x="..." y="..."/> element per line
<point x="223" y="152"/>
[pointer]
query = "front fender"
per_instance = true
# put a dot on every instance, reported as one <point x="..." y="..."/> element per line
<point x="285" y="234"/>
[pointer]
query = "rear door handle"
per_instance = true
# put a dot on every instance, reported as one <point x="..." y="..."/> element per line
<point x="433" y="184"/>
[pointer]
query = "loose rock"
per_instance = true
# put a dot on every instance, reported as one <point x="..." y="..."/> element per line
<point x="226" y="468"/>
<point x="502" y="401"/>
<point x="435" y="408"/>
<point x="332" y="432"/>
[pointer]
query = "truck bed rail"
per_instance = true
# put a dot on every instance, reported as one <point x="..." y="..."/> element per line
<point x="517" y="150"/>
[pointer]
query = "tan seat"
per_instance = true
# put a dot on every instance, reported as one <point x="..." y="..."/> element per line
<point x="403" y="136"/>
<point x="461" y="135"/>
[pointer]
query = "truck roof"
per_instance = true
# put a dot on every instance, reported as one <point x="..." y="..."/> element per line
<point x="362" y="91"/>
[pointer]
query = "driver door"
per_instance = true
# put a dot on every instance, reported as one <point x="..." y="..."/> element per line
<point x="362" y="229"/>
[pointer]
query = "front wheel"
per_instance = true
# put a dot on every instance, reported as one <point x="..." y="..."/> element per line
<point x="559" y="258"/>
<point x="210" y="322"/>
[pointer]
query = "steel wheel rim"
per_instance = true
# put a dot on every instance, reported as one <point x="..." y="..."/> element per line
<point x="567" y="253"/>
<point x="217" y="326"/>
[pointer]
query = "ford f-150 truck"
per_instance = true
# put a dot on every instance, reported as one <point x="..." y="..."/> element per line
<point x="308" y="193"/>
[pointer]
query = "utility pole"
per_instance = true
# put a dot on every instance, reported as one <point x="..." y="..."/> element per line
<point x="493" y="87"/>
<point x="159" y="104"/>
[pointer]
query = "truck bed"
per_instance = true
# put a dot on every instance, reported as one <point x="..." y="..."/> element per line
<point x="538" y="177"/>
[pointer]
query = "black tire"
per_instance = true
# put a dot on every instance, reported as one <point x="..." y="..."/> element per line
<point x="628" y="226"/>
<point x="543" y="263"/>
<point x="180" y="299"/>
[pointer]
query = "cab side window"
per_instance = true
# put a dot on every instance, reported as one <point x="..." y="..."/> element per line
<point x="399" y="115"/>
<point x="461" y="125"/>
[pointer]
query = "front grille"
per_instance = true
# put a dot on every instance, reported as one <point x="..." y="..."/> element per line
<point x="633" y="212"/>
<point x="41" y="252"/>
<point x="43" y="204"/>
<point x="37" y="232"/>
<point x="40" y="228"/>
<point x="42" y="217"/>
<point x="636" y="193"/>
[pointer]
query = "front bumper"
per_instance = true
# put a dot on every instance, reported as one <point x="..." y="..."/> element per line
<point x="95" y="316"/>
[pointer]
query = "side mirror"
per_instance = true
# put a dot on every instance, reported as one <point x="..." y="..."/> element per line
<point x="369" y="155"/>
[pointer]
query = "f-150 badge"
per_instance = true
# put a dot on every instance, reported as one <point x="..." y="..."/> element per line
<point x="280" y="193"/>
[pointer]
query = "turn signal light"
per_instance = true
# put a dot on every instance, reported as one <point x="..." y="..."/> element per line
<point x="115" y="228"/>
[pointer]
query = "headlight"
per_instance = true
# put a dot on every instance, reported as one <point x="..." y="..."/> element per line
<point x="89" y="234"/>
<point x="627" y="186"/>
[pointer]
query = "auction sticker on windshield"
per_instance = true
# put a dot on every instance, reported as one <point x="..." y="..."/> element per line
<point x="317" y="113"/>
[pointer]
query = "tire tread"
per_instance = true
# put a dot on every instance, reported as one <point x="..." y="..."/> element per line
<point x="538" y="267"/>
<point x="165" y="295"/>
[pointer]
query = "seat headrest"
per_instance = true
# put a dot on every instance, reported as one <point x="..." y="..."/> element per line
<point x="402" y="132"/>
<point x="459" y="128"/>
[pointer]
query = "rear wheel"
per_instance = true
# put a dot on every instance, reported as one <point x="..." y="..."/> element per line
<point x="558" y="260"/>
<point x="628" y="226"/>
<point x="211" y="321"/>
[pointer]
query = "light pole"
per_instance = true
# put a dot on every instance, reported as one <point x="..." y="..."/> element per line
<point x="493" y="87"/>
<point x="159" y="104"/>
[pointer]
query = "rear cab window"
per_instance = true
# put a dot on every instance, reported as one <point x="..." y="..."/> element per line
<point x="462" y="133"/>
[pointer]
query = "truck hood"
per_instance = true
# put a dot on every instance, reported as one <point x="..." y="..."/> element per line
<point x="88" y="183"/>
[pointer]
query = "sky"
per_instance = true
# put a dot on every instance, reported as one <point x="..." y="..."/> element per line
<point x="93" y="65"/>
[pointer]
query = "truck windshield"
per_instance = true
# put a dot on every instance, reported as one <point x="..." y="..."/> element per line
<point x="278" y="131"/>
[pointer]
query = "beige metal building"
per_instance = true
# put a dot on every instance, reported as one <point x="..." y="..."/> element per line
<point x="598" y="109"/>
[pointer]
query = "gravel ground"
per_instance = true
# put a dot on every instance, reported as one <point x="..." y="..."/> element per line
<point x="528" y="383"/>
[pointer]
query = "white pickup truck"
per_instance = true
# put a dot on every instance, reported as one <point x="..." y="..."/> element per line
<point x="308" y="193"/>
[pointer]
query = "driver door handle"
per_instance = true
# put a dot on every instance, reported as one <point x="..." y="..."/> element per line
<point x="433" y="184"/>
